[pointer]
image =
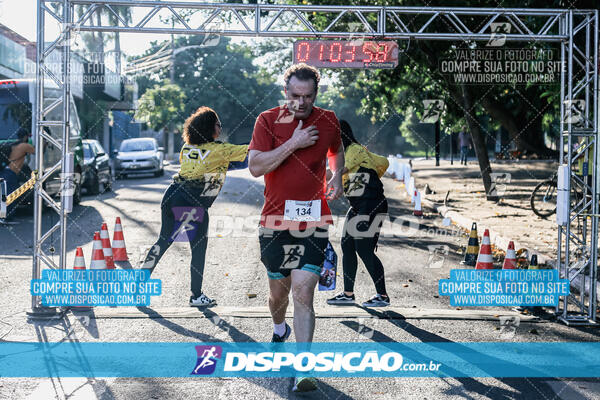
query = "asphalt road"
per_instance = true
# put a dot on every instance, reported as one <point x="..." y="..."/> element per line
<point x="233" y="270"/>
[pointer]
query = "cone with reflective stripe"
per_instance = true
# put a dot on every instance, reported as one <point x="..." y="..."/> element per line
<point x="79" y="262"/>
<point x="118" y="244"/>
<point x="406" y="173"/>
<point x="472" y="248"/>
<point x="108" y="253"/>
<point x="97" y="253"/>
<point x="533" y="264"/>
<point x="484" y="259"/>
<point x="418" y="210"/>
<point x="510" y="261"/>
<point x="410" y="187"/>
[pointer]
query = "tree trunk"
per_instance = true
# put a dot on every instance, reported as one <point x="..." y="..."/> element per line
<point x="478" y="143"/>
<point x="526" y="133"/>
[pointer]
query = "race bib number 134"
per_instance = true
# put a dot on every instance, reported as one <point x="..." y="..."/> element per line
<point x="296" y="210"/>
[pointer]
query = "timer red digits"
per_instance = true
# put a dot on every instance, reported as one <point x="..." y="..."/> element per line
<point x="352" y="52"/>
<point x="368" y="49"/>
<point x="333" y="51"/>
<point x="303" y="48"/>
<point x="346" y="54"/>
<point x="381" y="52"/>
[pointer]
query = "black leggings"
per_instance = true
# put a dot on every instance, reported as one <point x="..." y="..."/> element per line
<point x="178" y="200"/>
<point x="361" y="233"/>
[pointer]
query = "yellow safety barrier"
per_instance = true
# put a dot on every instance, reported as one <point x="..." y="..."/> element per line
<point x="22" y="189"/>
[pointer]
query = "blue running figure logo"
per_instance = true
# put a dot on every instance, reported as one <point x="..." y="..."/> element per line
<point x="207" y="359"/>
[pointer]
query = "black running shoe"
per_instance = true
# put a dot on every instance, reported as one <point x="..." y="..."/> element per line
<point x="341" y="300"/>
<point x="280" y="339"/>
<point x="377" y="301"/>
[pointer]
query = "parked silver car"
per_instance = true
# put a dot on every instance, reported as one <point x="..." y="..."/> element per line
<point x="139" y="156"/>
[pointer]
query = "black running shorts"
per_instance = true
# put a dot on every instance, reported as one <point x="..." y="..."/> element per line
<point x="283" y="251"/>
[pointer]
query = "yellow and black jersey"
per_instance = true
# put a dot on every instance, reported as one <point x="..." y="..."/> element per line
<point x="208" y="158"/>
<point x="206" y="165"/>
<point x="364" y="170"/>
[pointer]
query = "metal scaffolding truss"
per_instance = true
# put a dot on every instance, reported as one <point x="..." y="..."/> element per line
<point x="578" y="235"/>
<point x="575" y="30"/>
<point x="274" y="20"/>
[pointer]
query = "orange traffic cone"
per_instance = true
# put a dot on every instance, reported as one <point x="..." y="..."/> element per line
<point x="119" y="251"/>
<point x="79" y="262"/>
<point x="418" y="210"/>
<point x="510" y="261"/>
<point x="108" y="253"/>
<point x="484" y="259"/>
<point x="98" y="261"/>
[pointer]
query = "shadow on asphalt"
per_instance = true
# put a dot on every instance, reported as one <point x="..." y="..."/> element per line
<point x="525" y="387"/>
<point x="22" y="231"/>
<point x="100" y="388"/>
<point x="324" y="391"/>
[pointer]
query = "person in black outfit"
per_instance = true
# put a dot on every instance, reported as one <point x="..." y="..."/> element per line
<point x="364" y="191"/>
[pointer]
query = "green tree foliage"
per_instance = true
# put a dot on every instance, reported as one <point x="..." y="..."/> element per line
<point x="421" y="136"/>
<point x="222" y="77"/>
<point x="162" y="107"/>
<point x="380" y="136"/>
<point x="526" y="111"/>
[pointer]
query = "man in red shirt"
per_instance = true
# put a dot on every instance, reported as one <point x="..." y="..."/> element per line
<point x="290" y="145"/>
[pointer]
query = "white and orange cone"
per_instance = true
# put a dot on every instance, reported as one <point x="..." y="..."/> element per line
<point x="510" y="261"/>
<point x="108" y="253"/>
<point x="97" y="253"/>
<point x="79" y="262"/>
<point x="418" y="210"/>
<point x="484" y="259"/>
<point x="406" y="173"/>
<point x="118" y="244"/>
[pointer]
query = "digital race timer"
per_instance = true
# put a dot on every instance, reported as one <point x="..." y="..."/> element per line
<point x="346" y="54"/>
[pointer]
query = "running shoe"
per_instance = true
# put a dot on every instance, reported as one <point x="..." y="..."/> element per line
<point x="201" y="301"/>
<point x="304" y="384"/>
<point x="341" y="300"/>
<point x="377" y="301"/>
<point x="277" y="339"/>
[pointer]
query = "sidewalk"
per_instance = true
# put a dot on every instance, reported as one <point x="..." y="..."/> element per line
<point x="509" y="219"/>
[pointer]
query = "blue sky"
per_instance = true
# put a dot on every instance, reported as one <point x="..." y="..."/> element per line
<point x="12" y="14"/>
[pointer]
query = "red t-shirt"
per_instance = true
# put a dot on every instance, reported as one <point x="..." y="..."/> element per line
<point x="301" y="176"/>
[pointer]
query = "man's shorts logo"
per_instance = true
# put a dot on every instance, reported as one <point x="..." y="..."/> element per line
<point x="292" y="255"/>
<point x="207" y="359"/>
